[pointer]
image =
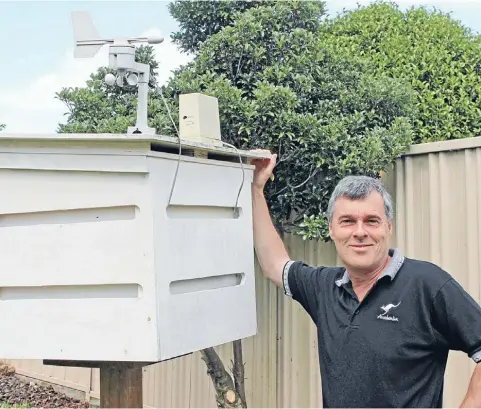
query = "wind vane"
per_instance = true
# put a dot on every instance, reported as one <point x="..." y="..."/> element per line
<point x="121" y="60"/>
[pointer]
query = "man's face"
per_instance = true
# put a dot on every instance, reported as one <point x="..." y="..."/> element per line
<point x="361" y="232"/>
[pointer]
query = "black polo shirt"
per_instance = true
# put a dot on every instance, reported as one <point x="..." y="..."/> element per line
<point x="391" y="349"/>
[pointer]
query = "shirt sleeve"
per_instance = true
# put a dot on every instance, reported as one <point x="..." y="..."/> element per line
<point x="457" y="320"/>
<point x="301" y="282"/>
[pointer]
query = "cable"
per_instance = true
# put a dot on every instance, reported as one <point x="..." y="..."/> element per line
<point x="180" y="144"/>
<point x="236" y="208"/>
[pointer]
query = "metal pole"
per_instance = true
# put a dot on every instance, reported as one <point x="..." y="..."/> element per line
<point x="142" y="101"/>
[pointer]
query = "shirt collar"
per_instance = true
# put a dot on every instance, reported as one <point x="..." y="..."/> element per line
<point x="397" y="260"/>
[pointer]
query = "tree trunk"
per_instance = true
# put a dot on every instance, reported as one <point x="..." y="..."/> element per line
<point x="238" y="372"/>
<point x="230" y="393"/>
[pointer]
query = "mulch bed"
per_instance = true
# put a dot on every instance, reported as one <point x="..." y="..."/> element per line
<point x="15" y="391"/>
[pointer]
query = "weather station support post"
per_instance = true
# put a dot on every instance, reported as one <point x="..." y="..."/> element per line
<point x="121" y="385"/>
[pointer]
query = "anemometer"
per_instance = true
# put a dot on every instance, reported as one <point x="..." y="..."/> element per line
<point x="121" y="61"/>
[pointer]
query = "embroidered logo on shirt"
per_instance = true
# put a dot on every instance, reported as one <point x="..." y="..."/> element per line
<point x="386" y="309"/>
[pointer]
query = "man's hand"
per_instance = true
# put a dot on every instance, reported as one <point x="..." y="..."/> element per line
<point x="263" y="170"/>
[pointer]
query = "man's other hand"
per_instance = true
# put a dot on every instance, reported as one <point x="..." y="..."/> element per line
<point x="263" y="170"/>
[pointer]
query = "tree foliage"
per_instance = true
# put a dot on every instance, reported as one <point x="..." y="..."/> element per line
<point x="439" y="58"/>
<point x="198" y="20"/>
<point x="2" y="127"/>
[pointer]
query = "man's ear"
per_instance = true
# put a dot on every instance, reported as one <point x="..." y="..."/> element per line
<point x="330" y="230"/>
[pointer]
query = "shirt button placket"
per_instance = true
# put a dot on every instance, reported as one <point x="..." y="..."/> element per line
<point x="353" y="317"/>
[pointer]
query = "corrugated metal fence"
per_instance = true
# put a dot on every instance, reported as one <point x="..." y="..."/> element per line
<point x="437" y="191"/>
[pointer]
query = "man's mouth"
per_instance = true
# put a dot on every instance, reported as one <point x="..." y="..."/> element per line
<point x="360" y="246"/>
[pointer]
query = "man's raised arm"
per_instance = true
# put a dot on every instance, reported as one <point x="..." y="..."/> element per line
<point x="270" y="249"/>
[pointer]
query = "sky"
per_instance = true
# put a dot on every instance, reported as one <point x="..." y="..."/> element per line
<point x="36" y="40"/>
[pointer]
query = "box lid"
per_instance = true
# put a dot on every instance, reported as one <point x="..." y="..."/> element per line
<point x="151" y="142"/>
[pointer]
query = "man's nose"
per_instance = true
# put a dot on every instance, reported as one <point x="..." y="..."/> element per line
<point x="360" y="231"/>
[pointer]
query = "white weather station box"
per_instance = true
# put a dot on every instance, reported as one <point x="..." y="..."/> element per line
<point x="125" y="247"/>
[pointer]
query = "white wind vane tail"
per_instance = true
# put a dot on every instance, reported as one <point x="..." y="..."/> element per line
<point x="87" y="39"/>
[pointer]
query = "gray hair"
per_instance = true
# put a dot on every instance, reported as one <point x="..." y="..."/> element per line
<point x="359" y="187"/>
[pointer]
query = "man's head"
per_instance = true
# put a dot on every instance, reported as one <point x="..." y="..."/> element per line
<point x="360" y="215"/>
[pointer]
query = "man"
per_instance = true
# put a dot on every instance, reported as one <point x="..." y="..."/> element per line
<point x="385" y="322"/>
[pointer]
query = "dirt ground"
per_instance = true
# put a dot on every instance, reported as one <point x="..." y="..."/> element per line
<point x="15" y="392"/>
